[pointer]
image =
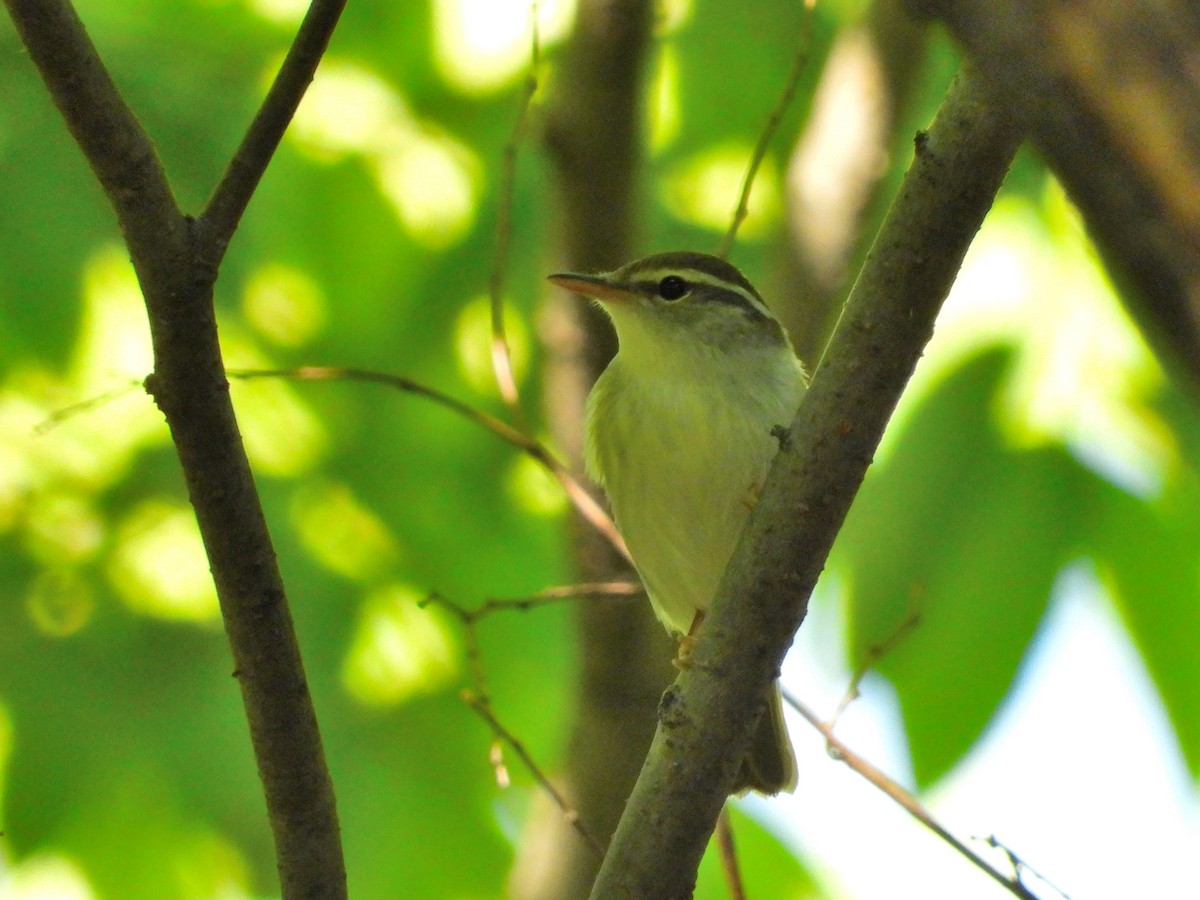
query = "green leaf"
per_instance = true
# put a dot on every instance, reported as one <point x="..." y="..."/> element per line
<point x="952" y="549"/>
<point x="1147" y="552"/>
<point x="768" y="869"/>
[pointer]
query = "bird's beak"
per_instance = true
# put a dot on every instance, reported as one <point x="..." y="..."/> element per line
<point x="600" y="287"/>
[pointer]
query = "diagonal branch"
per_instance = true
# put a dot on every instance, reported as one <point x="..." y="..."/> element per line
<point x="1112" y="94"/>
<point x="708" y="716"/>
<point x="113" y="141"/>
<point x="902" y="798"/>
<point x="583" y="502"/>
<point x="770" y="127"/>
<point x="228" y="202"/>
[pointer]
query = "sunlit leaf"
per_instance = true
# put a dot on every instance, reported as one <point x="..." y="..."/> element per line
<point x="767" y="868"/>
<point x="1147" y="555"/>
<point x="952" y="549"/>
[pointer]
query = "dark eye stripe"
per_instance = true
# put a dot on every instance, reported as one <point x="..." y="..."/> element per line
<point x="734" y="293"/>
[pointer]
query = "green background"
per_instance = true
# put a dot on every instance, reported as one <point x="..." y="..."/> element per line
<point x="123" y="749"/>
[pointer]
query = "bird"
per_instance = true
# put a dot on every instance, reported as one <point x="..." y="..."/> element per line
<point x="681" y="428"/>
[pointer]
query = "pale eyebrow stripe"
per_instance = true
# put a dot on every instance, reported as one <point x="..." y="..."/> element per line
<point x="696" y="276"/>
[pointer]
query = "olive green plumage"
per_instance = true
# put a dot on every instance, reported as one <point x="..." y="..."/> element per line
<point x="679" y="434"/>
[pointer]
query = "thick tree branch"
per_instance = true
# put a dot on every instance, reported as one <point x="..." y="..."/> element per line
<point x="1112" y="96"/>
<point x="176" y="271"/>
<point x="224" y="211"/>
<point x="708" y="716"/>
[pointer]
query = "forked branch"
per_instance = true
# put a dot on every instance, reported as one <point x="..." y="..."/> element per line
<point x="176" y="262"/>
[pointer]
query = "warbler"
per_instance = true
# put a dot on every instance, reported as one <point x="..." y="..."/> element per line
<point x="681" y="430"/>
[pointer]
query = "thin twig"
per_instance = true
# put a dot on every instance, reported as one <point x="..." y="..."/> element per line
<point x="474" y="654"/>
<point x="470" y="617"/>
<point x="502" y="364"/>
<point x="1019" y="865"/>
<point x="533" y="448"/>
<point x="874" y="654"/>
<point x="478" y="676"/>
<point x="228" y="202"/>
<point x="728" y="851"/>
<point x="799" y="64"/>
<point x="905" y="800"/>
<point x="485" y="712"/>
<point x="558" y="595"/>
<point x="501" y="429"/>
<point x="59" y="416"/>
<point x="479" y="699"/>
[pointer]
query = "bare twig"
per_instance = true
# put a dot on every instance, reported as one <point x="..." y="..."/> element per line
<point x="1019" y="865"/>
<point x="799" y="64"/>
<point x="906" y="801"/>
<point x="474" y="654"/>
<point x="224" y="211"/>
<point x="479" y="699"/>
<point x="470" y="617"/>
<point x="502" y="363"/>
<point x="874" y="655"/>
<point x="557" y="595"/>
<point x="484" y="711"/>
<point x="502" y="430"/>
<point x="91" y="404"/>
<point x="728" y="851"/>
<point x="535" y="449"/>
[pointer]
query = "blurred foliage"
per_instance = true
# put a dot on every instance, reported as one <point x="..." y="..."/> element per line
<point x="125" y="768"/>
<point x="1048" y="438"/>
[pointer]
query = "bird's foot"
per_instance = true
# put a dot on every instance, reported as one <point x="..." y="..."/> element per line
<point x="687" y="643"/>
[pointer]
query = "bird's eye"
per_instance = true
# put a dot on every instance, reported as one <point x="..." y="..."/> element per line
<point x="672" y="287"/>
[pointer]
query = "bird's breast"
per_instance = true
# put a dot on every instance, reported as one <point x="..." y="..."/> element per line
<point x="682" y="467"/>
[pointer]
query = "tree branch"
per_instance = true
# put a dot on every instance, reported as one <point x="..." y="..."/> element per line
<point x="176" y="274"/>
<point x="1113" y="102"/>
<point x="113" y="141"/>
<point x="228" y="202"/>
<point x="902" y="798"/>
<point x="708" y="716"/>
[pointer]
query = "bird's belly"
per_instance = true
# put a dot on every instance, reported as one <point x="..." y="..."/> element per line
<point x="681" y="493"/>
